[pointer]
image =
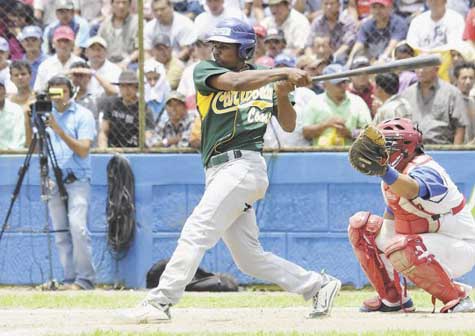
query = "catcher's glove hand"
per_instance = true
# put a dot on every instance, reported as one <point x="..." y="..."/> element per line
<point x="368" y="153"/>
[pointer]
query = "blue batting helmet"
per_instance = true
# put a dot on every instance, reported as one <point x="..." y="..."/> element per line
<point x="232" y="30"/>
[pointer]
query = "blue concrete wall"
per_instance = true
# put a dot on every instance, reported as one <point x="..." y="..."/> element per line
<point x="303" y="217"/>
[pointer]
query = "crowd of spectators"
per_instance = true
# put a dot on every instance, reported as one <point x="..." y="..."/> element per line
<point x="95" y="44"/>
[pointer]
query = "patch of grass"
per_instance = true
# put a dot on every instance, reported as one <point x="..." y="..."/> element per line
<point x="331" y="333"/>
<point x="55" y="300"/>
<point x="103" y="299"/>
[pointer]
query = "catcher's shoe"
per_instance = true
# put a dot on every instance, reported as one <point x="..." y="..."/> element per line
<point x="464" y="306"/>
<point x="146" y="312"/>
<point x="377" y="305"/>
<point x="70" y="287"/>
<point x="49" y="285"/>
<point x="323" y="300"/>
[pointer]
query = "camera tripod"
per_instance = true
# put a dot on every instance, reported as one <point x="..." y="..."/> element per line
<point x="42" y="142"/>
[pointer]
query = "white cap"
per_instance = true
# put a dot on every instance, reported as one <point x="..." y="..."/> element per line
<point x="152" y="65"/>
<point x="96" y="39"/>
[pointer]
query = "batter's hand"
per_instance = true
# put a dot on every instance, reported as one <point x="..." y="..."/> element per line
<point x="298" y="77"/>
<point x="284" y="87"/>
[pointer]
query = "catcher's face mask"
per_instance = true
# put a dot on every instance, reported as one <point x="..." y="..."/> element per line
<point x="403" y="141"/>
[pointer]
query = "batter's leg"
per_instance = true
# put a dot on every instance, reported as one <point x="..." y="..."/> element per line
<point x="242" y="240"/>
<point x="230" y="188"/>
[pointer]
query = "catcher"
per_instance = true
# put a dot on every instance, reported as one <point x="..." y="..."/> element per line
<point x="427" y="234"/>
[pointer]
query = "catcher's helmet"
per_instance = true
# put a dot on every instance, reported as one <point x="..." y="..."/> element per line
<point x="232" y="30"/>
<point x="403" y="141"/>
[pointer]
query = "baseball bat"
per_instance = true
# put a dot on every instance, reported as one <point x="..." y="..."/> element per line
<point x="404" y="64"/>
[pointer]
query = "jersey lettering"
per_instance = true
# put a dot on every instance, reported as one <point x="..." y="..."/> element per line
<point x="256" y="115"/>
<point x="228" y="101"/>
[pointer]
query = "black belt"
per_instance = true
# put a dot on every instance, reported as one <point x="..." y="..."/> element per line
<point x="224" y="157"/>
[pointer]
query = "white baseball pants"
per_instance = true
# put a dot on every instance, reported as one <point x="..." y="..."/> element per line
<point x="220" y="214"/>
<point x="453" y="245"/>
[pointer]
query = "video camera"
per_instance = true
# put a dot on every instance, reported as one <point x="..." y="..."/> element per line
<point x="43" y="105"/>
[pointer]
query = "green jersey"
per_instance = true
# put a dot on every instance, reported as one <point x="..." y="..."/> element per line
<point x="231" y="119"/>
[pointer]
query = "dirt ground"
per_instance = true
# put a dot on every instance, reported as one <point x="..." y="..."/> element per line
<point x="18" y="322"/>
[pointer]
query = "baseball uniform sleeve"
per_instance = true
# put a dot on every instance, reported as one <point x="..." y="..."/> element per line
<point x="202" y="72"/>
<point x="431" y="183"/>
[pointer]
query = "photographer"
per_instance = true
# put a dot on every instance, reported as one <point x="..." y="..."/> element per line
<point x="71" y="128"/>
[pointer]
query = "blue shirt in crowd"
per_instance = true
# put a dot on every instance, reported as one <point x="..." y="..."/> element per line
<point x="34" y="67"/>
<point x="376" y="40"/>
<point x="78" y="122"/>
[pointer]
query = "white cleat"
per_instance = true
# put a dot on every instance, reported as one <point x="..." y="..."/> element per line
<point x="323" y="300"/>
<point x="147" y="312"/>
<point x="464" y="306"/>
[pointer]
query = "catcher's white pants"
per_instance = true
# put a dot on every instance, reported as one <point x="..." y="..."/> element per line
<point x="221" y="214"/>
<point x="453" y="245"/>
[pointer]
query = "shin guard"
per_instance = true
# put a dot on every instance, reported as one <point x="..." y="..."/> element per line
<point x="362" y="231"/>
<point x="409" y="256"/>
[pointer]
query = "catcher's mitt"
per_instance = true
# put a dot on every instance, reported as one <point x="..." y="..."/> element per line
<point x="368" y="153"/>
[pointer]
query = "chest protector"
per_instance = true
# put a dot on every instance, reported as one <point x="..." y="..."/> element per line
<point x="418" y="215"/>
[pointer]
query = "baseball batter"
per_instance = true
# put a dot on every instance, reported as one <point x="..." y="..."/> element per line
<point x="427" y="234"/>
<point x="236" y="101"/>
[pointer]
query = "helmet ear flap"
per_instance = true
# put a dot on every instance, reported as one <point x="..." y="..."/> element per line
<point x="246" y="52"/>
